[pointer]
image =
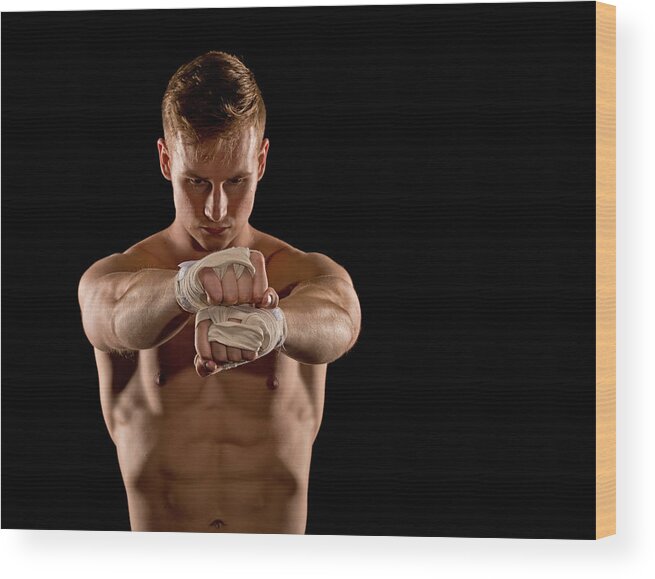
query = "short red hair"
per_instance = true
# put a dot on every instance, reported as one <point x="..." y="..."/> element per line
<point x="213" y="97"/>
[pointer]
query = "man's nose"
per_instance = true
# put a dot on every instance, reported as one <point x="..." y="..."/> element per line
<point x="216" y="205"/>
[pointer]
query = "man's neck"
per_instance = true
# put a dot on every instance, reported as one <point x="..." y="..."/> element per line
<point x="186" y="247"/>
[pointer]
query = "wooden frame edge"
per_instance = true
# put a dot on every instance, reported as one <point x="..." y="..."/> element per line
<point x="605" y="270"/>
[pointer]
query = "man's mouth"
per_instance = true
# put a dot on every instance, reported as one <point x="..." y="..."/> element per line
<point x="214" y="230"/>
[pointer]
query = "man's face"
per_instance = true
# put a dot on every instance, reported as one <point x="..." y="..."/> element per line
<point x="214" y="197"/>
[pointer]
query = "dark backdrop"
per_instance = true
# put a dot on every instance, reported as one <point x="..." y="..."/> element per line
<point x="445" y="155"/>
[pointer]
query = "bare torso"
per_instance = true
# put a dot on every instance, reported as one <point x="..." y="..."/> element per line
<point x="227" y="453"/>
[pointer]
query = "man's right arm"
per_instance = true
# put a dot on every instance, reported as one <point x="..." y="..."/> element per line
<point x="127" y="305"/>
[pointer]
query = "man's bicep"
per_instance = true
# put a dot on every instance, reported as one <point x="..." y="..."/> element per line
<point x="117" y="263"/>
<point x="322" y="278"/>
<point x="101" y="284"/>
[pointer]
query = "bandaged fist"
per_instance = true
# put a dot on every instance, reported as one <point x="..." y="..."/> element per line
<point x="229" y="277"/>
<point x="227" y="337"/>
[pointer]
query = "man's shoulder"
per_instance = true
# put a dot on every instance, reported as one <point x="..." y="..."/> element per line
<point x="269" y="245"/>
<point x="153" y="251"/>
<point x="142" y="255"/>
<point x="287" y="266"/>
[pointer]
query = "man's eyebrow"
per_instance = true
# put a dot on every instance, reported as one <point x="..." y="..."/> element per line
<point x="235" y="175"/>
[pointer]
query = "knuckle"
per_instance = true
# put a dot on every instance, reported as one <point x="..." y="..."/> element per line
<point x="258" y="261"/>
<point x="230" y="297"/>
<point x="200" y="368"/>
<point x="204" y="274"/>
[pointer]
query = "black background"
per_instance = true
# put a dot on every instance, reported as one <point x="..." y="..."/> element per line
<point x="445" y="155"/>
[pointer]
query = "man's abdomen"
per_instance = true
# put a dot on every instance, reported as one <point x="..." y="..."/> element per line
<point x="229" y="453"/>
<point x="239" y="490"/>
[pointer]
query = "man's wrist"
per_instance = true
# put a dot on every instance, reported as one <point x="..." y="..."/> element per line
<point x="180" y="298"/>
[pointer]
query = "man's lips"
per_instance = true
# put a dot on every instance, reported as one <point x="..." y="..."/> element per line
<point x="214" y="230"/>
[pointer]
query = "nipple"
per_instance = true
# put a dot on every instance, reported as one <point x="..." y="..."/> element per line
<point x="160" y="378"/>
<point x="273" y="383"/>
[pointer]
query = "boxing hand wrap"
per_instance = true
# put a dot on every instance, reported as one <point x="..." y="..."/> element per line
<point x="189" y="293"/>
<point x="260" y="330"/>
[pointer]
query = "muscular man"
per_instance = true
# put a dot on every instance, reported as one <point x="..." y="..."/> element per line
<point x="212" y="373"/>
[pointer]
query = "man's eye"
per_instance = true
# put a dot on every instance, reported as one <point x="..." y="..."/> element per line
<point x="196" y="181"/>
<point x="237" y="180"/>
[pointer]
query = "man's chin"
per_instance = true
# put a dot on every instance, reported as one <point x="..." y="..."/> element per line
<point x="210" y="243"/>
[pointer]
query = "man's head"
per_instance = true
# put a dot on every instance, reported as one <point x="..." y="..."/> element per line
<point x="213" y="149"/>
<point x="212" y="98"/>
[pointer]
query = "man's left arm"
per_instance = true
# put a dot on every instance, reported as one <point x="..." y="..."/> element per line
<point x="322" y="311"/>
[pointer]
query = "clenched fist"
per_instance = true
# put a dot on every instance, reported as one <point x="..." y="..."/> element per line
<point x="233" y="276"/>
<point x="225" y="288"/>
<point x="228" y="336"/>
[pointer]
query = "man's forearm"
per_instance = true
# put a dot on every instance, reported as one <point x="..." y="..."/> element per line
<point x="136" y="311"/>
<point x="323" y="320"/>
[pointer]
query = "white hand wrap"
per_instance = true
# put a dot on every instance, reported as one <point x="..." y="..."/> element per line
<point x="189" y="291"/>
<point x="260" y="330"/>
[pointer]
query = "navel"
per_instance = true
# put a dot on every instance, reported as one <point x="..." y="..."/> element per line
<point x="217" y="523"/>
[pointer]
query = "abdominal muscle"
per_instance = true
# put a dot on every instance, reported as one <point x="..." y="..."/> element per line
<point x="227" y="453"/>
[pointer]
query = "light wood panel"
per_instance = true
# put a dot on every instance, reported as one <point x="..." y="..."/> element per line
<point x="605" y="270"/>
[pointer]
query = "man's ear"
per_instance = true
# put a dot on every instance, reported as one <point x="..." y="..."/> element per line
<point x="164" y="159"/>
<point x="261" y="158"/>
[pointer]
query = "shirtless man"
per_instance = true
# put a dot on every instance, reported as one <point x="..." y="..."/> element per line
<point x="211" y="436"/>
